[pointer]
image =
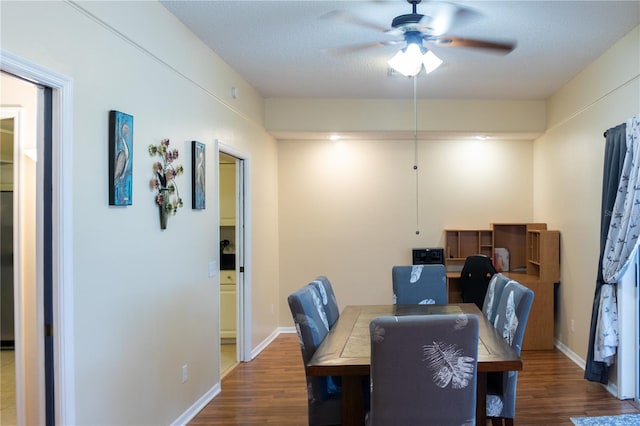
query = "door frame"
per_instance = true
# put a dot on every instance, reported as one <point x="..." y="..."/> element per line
<point x="243" y="255"/>
<point x="62" y="226"/>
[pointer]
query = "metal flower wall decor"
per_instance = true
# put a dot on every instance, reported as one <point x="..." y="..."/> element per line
<point x="165" y="172"/>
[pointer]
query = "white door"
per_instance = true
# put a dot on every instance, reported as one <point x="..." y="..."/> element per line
<point x="628" y="357"/>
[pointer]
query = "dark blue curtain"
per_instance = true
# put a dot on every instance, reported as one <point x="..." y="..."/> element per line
<point x="615" y="150"/>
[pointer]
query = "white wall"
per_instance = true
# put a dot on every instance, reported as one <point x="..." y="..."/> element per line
<point x="144" y="304"/>
<point x="568" y="168"/>
<point x="348" y="210"/>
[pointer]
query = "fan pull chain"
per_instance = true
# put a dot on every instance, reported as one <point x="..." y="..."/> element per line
<point x="415" y="149"/>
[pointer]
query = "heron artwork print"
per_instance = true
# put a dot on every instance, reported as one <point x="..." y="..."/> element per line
<point x="120" y="158"/>
<point x="198" y="170"/>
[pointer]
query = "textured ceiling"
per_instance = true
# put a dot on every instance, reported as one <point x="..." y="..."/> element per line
<point x="287" y="48"/>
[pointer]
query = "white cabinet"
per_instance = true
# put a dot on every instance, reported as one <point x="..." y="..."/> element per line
<point x="227" y="194"/>
<point x="227" y="304"/>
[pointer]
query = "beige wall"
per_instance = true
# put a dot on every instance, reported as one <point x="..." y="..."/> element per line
<point x="380" y="116"/>
<point x="143" y="302"/>
<point x="348" y="209"/>
<point x="144" y="305"/>
<point x="353" y="221"/>
<point x="568" y="174"/>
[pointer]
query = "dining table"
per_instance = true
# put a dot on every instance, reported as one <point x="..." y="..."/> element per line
<point x="346" y="352"/>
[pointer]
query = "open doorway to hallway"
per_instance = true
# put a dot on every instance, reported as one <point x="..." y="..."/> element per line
<point x="48" y="271"/>
<point x="8" y="143"/>
<point x="230" y="247"/>
<point x="26" y="282"/>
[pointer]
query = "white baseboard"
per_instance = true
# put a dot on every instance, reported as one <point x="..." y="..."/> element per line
<point x="256" y="351"/>
<point x="188" y="415"/>
<point x="192" y="411"/>
<point x="610" y="387"/>
<point x="571" y="355"/>
<point x="262" y="345"/>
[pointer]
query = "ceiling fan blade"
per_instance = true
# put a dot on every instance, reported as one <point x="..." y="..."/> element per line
<point x="439" y="21"/>
<point x="344" y="16"/>
<point x="441" y="17"/>
<point x="450" y="41"/>
<point x="345" y="50"/>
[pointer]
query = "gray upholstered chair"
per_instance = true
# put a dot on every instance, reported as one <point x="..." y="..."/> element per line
<point x="423" y="370"/>
<point x="419" y="284"/>
<point x="511" y="322"/>
<point x="492" y="298"/>
<point x="324" y="397"/>
<point x="328" y="298"/>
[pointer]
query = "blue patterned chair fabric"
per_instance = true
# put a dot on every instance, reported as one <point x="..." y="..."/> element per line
<point x="309" y="317"/>
<point x="419" y="284"/>
<point x="492" y="298"/>
<point x="423" y="370"/>
<point x="328" y="298"/>
<point x="511" y="322"/>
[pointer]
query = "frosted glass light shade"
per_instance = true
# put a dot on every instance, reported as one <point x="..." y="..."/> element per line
<point x="431" y="61"/>
<point x="409" y="61"/>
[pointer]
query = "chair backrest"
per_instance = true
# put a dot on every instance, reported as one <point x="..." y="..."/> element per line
<point x="492" y="298"/>
<point x="474" y="278"/>
<point x="423" y="370"/>
<point x="511" y="322"/>
<point x="328" y="298"/>
<point x="312" y="327"/>
<point x="419" y="284"/>
<point x="513" y="313"/>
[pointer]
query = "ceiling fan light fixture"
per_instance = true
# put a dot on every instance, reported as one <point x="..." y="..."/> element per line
<point x="431" y="61"/>
<point x="409" y="61"/>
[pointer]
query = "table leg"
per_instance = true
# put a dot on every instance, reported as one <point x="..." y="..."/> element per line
<point x="352" y="404"/>
<point x="481" y="400"/>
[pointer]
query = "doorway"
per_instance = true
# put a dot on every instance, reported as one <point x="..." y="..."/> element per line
<point x="235" y="236"/>
<point x="8" y="412"/>
<point x="45" y="288"/>
<point x="627" y="367"/>
<point x="229" y="248"/>
<point x="22" y="289"/>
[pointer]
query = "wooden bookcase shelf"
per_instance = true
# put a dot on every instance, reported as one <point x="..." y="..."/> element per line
<point x="543" y="254"/>
<point x="461" y="243"/>
<point x="534" y="261"/>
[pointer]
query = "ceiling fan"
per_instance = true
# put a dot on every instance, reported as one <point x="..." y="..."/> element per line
<point x="433" y="29"/>
<point x="421" y="31"/>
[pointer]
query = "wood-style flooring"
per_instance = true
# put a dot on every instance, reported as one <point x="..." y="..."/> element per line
<point x="271" y="390"/>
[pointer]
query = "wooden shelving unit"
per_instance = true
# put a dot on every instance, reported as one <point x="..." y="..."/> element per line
<point x="543" y="255"/>
<point x="461" y="243"/>
<point x="513" y="237"/>
<point x="534" y="261"/>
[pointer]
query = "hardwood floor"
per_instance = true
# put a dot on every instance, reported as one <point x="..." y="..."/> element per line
<point x="271" y="390"/>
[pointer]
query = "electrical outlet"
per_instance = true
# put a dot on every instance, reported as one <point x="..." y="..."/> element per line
<point x="185" y="373"/>
<point x="573" y="326"/>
